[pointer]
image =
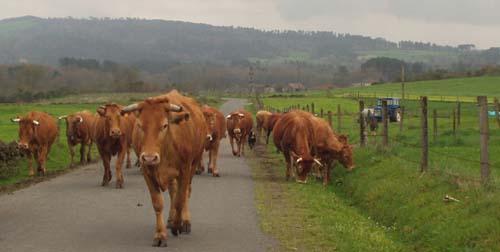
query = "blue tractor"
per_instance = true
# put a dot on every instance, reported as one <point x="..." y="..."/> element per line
<point x="393" y="109"/>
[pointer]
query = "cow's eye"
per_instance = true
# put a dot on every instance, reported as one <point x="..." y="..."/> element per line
<point x="165" y="126"/>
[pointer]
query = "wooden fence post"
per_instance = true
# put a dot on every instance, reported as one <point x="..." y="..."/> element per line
<point x="330" y="118"/>
<point x="339" y="119"/>
<point x="307" y="108"/>
<point x="455" y="124"/>
<point x="312" y="108"/>
<point x="321" y="113"/>
<point x="424" y="163"/>
<point x="402" y="119"/>
<point x="435" y="127"/>
<point x="459" y="112"/>
<point x="484" y="131"/>
<point x="362" y="129"/>
<point x="385" y="123"/>
<point x="497" y="108"/>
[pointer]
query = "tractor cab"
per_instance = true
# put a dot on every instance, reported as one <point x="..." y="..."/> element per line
<point x="393" y="109"/>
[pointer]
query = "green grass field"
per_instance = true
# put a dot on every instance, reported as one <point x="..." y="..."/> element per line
<point x="387" y="186"/>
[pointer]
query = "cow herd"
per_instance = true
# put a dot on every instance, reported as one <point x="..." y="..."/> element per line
<point x="169" y="134"/>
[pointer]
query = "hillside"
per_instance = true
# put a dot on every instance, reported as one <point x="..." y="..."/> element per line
<point x="157" y="43"/>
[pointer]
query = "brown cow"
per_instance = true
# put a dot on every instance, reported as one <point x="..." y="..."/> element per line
<point x="171" y="144"/>
<point x="239" y="125"/>
<point x="78" y="131"/>
<point x="270" y="124"/>
<point x="330" y="147"/>
<point x="216" y="125"/>
<point x="37" y="133"/>
<point x="110" y="135"/>
<point x="293" y="135"/>
<point x="262" y="117"/>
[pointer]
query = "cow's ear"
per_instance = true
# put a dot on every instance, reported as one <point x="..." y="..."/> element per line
<point x="101" y="111"/>
<point x="179" y="117"/>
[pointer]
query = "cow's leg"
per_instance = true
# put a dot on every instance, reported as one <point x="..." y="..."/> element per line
<point x="30" y="163"/>
<point x="129" y="163"/>
<point x="213" y="160"/>
<point x="82" y="153"/>
<point x="231" y="141"/>
<point x="172" y="192"/>
<point x="42" y="159"/>
<point x="89" y="153"/>
<point x="182" y="220"/>
<point x="119" y="165"/>
<point x="72" y="153"/>
<point x="201" y="167"/>
<point x="289" y="162"/>
<point x="160" y="237"/>
<point x="106" y="159"/>
<point x="319" y="171"/>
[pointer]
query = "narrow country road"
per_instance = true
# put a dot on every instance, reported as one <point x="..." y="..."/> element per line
<point x="74" y="213"/>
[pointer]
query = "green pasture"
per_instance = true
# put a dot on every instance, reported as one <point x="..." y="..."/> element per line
<point x="387" y="186"/>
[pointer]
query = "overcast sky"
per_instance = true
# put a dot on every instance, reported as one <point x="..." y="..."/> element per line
<point x="442" y="21"/>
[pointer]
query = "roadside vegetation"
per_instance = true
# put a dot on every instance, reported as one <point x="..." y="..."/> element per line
<point x="387" y="187"/>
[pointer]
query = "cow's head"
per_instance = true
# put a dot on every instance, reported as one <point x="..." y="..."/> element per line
<point x="154" y="117"/>
<point x="237" y="120"/>
<point x="27" y="131"/>
<point x="304" y="166"/>
<point x="112" y="116"/>
<point x="346" y="155"/>
<point x="74" y="127"/>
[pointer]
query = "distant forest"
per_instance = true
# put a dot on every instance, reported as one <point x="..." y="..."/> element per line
<point x="103" y="54"/>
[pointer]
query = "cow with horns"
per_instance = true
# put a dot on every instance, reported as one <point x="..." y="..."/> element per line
<point x="78" y="131"/>
<point x="239" y="125"/>
<point x="170" y="134"/>
<point x="293" y="135"/>
<point x="330" y="147"/>
<point x="37" y="132"/>
<point x="112" y="134"/>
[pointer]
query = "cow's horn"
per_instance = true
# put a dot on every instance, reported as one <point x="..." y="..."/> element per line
<point x="228" y="116"/>
<point x="299" y="160"/>
<point x="36" y="122"/>
<point x="175" y="108"/>
<point x="62" y="117"/>
<point x="102" y="106"/>
<point x="240" y="114"/>
<point x="130" y="108"/>
<point x="318" y="162"/>
<point x="15" y="120"/>
<point x="80" y="119"/>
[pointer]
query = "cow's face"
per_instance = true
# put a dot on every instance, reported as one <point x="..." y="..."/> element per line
<point x="237" y="120"/>
<point x="74" y="127"/>
<point x="210" y="122"/>
<point x="111" y="113"/>
<point x="154" y="117"/>
<point x="27" y="131"/>
<point x="346" y="158"/>
<point x="304" y="166"/>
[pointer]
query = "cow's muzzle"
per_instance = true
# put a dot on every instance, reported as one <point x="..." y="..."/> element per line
<point x="115" y="133"/>
<point x="150" y="159"/>
<point x="210" y="138"/>
<point x="23" y="146"/>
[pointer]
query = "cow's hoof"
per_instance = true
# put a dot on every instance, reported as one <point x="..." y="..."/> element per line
<point x="186" y="227"/>
<point x="216" y="175"/>
<point x="104" y="183"/>
<point x="174" y="231"/>
<point x="160" y="241"/>
<point x="198" y="172"/>
<point x="210" y="170"/>
<point x="119" y="185"/>
<point x="319" y="178"/>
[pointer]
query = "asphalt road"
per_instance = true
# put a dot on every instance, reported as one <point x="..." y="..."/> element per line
<point x="74" y="213"/>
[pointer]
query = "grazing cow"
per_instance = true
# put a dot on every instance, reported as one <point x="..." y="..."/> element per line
<point x="110" y="133"/>
<point x="239" y="125"/>
<point x="262" y="118"/>
<point x="371" y="120"/>
<point x="293" y="135"/>
<point x="252" y="139"/>
<point x="270" y="124"/>
<point x="37" y="133"/>
<point x="78" y="131"/>
<point x="216" y="125"/>
<point x="330" y="147"/>
<point x="170" y="133"/>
